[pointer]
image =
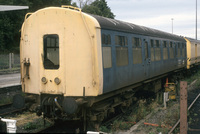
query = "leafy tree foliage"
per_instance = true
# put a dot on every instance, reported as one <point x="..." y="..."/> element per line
<point x="11" y="21"/>
<point x="99" y="7"/>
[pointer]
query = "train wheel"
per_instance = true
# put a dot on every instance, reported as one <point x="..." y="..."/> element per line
<point x="18" y="101"/>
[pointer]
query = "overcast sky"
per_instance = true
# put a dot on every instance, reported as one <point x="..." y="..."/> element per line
<point x="157" y="14"/>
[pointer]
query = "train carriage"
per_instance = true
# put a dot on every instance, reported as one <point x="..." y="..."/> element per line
<point x="193" y="52"/>
<point x="136" y="53"/>
<point x="75" y="62"/>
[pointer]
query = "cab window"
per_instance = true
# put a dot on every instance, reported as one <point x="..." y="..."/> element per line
<point x="51" y="51"/>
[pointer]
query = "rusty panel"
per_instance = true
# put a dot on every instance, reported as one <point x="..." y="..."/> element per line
<point x="183" y="107"/>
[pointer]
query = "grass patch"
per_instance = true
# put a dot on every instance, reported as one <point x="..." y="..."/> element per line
<point x="140" y="110"/>
<point x="6" y="100"/>
<point x="193" y="77"/>
<point x="30" y="126"/>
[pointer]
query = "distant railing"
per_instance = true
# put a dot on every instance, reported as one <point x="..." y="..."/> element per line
<point x="9" y="62"/>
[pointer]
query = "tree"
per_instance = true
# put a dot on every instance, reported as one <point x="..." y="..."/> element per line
<point x="99" y="7"/>
<point x="39" y="4"/>
<point x="11" y="21"/>
<point x="82" y="3"/>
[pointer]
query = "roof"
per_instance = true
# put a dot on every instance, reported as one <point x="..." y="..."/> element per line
<point x="193" y="40"/>
<point x="117" y="25"/>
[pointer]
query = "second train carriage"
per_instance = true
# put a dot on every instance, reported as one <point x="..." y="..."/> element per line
<point x="193" y="52"/>
<point x="71" y="60"/>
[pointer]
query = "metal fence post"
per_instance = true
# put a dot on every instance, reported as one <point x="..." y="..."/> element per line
<point x="13" y="60"/>
<point x="10" y="60"/>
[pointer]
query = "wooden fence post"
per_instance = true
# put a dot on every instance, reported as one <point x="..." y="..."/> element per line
<point x="183" y="107"/>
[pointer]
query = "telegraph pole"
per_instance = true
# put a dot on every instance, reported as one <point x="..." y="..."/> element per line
<point x="172" y="25"/>
<point x="196" y="20"/>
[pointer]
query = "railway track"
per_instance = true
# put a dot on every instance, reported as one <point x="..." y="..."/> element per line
<point x="45" y="128"/>
<point x="7" y="101"/>
<point x="8" y="109"/>
<point x="16" y="88"/>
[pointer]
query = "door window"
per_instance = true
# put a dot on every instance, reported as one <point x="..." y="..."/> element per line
<point x="51" y="51"/>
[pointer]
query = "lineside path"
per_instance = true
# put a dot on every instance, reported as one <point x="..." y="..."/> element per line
<point x="8" y="80"/>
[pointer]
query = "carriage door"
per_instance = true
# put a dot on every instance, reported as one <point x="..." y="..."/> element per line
<point x="147" y="59"/>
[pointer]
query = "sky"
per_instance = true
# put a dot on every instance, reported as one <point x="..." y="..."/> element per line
<point x="158" y="14"/>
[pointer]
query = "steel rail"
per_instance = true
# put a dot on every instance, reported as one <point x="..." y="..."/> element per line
<point x="45" y="127"/>
<point x="9" y="111"/>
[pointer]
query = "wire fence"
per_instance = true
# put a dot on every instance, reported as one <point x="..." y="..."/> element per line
<point x="9" y="61"/>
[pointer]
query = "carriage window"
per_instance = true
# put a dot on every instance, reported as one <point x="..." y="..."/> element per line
<point x="183" y="50"/>
<point x="136" y="42"/>
<point x="152" y="50"/>
<point x="51" y="51"/>
<point x="170" y="44"/>
<point x="121" y="40"/>
<point x="165" y="50"/>
<point x="137" y="50"/>
<point x="107" y="58"/>
<point x="171" y="51"/>
<point x="157" y="51"/>
<point x="122" y="56"/>
<point x="164" y="43"/>
<point x="122" y="50"/>
<point x="106" y="39"/>
<point x="146" y="50"/>
<point x="179" y="50"/>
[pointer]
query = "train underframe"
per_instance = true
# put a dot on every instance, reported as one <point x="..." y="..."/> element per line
<point x="91" y="111"/>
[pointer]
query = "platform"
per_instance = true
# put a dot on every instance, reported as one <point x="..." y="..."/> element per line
<point x="9" y="80"/>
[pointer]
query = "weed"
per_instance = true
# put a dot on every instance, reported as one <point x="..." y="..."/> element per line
<point x="30" y="126"/>
<point x="115" y="125"/>
<point x="158" y="129"/>
<point x="151" y="133"/>
<point x="132" y="118"/>
<point x="104" y="129"/>
<point x="190" y="121"/>
<point x="5" y="100"/>
<point x="124" y="126"/>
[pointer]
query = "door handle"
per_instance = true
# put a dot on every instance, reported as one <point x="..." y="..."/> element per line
<point x="149" y="61"/>
<point x="27" y="65"/>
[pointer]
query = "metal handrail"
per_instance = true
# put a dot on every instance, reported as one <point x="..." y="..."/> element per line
<point x="26" y="16"/>
<point x="71" y="7"/>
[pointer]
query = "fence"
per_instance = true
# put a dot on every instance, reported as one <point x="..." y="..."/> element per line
<point x="9" y="61"/>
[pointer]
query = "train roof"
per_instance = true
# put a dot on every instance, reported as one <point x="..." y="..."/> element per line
<point x="117" y="25"/>
<point x="193" y="40"/>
